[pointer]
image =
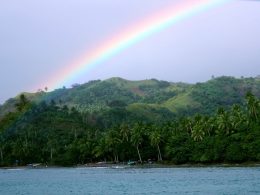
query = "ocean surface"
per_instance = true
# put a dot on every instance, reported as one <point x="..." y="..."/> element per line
<point x="124" y="180"/>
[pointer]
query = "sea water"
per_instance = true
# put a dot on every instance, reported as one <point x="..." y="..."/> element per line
<point x="124" y="180"/>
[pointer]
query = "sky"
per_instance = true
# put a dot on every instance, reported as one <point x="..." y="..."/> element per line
<point x="38" y="39"/>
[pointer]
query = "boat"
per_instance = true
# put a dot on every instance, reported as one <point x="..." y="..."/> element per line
<point x="131" y="163"/>
<point x="34" y="165"/>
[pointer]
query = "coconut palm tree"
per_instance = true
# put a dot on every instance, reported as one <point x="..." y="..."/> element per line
<point x="2" y="143"/>
<point x="101" y="148"/>
<point x="197" y="132"/>
<point x="253" y="106"/>
<point x="137" y="138"/>
<point x="124" y="131"/>
<point x="223" y="122"/>
<point x="237" y="119"/>
<point x="156" y="138"/>
<point x="113" y="143"/>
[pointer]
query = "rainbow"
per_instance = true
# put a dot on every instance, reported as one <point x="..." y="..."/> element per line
<point x="133" y="34"/>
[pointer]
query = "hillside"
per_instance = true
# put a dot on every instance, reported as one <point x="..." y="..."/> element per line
<point x="148" y="97"/>
<point x="118" y="120"/>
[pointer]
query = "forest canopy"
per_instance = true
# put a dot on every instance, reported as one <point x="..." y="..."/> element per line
<point x="53" y="133"/>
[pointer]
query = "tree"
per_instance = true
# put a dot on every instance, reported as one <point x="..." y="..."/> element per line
<point x="22" y="103"/>
<point x="101" y="148"/>
<point x="237" y="119"/>
<point x="113" y="142"/>
<point x="253" y="106"/>
<point x="137" y="138"/>
<point x="124" y="132"/>
<point x="197" y="132"/>
<point x="2" y="143"/>
<point x="223" y="122"/>
<point x="156" y="138"/>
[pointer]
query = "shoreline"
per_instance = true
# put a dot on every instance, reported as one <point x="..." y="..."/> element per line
<point x="154" y="165"/>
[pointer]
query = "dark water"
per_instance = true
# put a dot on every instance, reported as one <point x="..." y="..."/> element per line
<point x="131" y="181"/>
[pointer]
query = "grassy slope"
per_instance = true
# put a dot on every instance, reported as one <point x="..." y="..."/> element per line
<point x="149" y="97"/>
<point x="180" y="102"/>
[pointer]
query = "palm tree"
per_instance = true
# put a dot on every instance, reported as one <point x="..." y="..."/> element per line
<point x="52" y="145"/>
<point x="237" y="118"/>
<point x="124" y="137"/>
<point x="113" y="142"/>
<point x="101" y="148"/>
<point x="137" y="138"/>
<point x="124" y="132"/>
<point x="88" y="149"/>
<point x="223" y="122"/>
<point x="197" y="132"/>
<point x="2" y="142"/>
<point x="156" y="138"/>
<point x="253" y="106"/>
<point x="211" y="125"/>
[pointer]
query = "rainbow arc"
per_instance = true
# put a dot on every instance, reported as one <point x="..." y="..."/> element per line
<point x="153" y="24"/>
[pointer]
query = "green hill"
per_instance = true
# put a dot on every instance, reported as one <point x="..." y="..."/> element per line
<point x="148" y="97"/>
<point x="119" y="120"/>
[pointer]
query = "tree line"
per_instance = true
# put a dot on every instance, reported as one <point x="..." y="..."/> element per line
<point x="55" y="135"/>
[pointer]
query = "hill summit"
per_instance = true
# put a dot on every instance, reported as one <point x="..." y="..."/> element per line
<point x="148" y="97"/>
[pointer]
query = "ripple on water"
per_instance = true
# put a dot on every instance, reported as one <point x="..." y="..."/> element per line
<point x="119" y="180"/>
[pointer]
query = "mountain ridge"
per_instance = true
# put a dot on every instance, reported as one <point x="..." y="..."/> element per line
<point x="178" y="98"/>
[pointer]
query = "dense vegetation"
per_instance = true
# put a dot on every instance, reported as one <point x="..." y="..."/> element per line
<point x="147" y="97"/>
<point x="133" y="127"/>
